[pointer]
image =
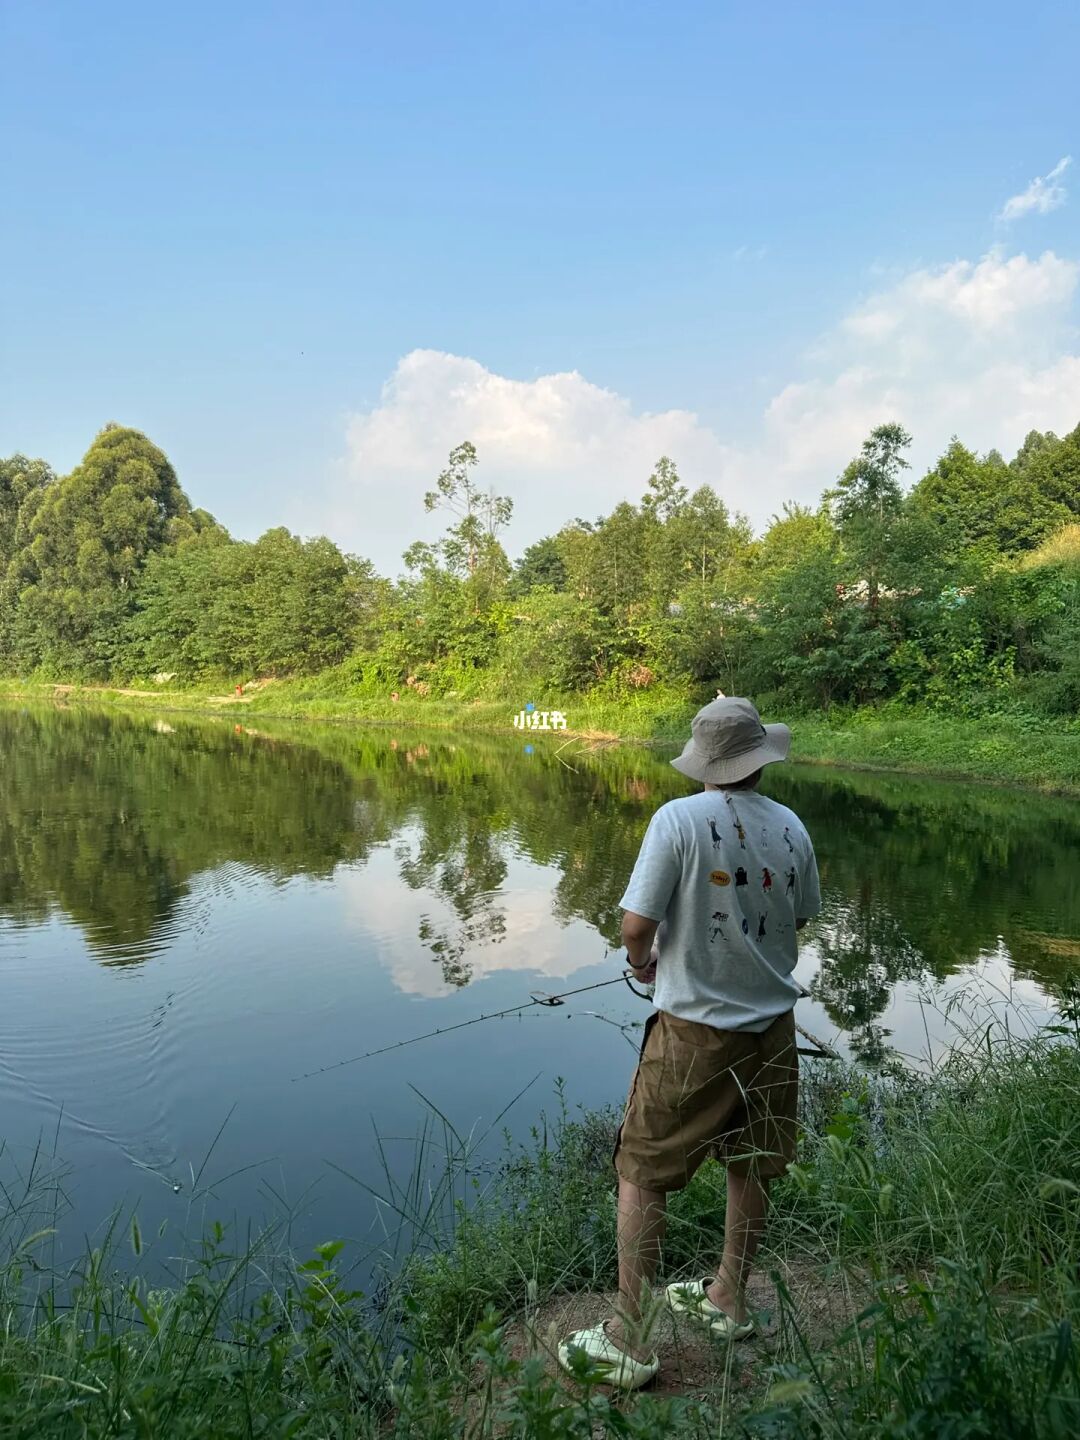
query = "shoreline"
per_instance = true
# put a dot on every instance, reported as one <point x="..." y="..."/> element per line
<point x="999" y="751"/>
<point x="469" y="1320"/>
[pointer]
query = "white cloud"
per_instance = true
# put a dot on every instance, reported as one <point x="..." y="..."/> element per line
<point x="1041" y="196"/>
<point x="985" y="349"/>
<point x="531" y="943"/>
<point x="980" y="349"/>
<point x="560" y="445"/>
<point x="987" y="294"/>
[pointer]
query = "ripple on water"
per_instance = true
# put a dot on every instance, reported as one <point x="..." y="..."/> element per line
<point x="97" y="1057"/>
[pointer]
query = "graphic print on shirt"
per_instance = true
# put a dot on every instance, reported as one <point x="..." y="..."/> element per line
<point x="714" y="971"/>
<point x="766" y="879"/>
<point x="790" y="882"/>
<point x="716" y="841"/>
<point x="764" y="838"/>
<point x="736" y="821"/>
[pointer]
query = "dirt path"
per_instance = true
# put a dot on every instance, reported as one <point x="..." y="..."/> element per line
<point x="691" y="1362"/>
<point x="110" y="690"/>
<point x="161" y="694"/>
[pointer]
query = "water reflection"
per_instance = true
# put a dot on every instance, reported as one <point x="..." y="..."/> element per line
<point x="108" y="820"/>
<point x="923" y="880"/>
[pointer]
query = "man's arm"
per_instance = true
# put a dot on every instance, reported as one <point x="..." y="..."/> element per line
<point x="638" y="934"/>
<point x="648" y="894"/>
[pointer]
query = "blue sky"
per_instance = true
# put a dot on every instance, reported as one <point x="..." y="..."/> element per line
<point x="309" y="248"/>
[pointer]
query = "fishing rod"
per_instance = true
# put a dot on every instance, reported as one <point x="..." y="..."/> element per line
<point x="539" y="997"/>
<point x="536" y="997"/>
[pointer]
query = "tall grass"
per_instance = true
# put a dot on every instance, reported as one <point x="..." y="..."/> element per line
<point x="946" y="1206"/>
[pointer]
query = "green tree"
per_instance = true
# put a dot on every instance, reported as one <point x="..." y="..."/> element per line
<point x="89" y="536"/>
<point x="790" y="535"/>
<point x="974" y="503"/>
<point x="23" y="483"/>
<point x="304" y="617"/>
<point x="816" y="646"/>
<point x="1051" y="469"/>
<point x="20" y="479"/>
<point x="541" y="566"/>
<point x="666" y="495"/>
<point x="692" y="537"/>
<point x="868" y="500"/>
<point x="607" y="560"/>
<point x="183" y="594"/>
<point x="1055" y="573"/>
<point x="558" y="641"/>
<point x="707" y="637"/>
<point x="276" y="607"/>
<point x="471" y="547"/>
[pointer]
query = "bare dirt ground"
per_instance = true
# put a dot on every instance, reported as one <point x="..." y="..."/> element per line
<point x="109" y="690"/>
<point x="692" y="1363"/>
<point x="250" y="689"/>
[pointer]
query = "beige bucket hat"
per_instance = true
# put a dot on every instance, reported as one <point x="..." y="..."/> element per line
<point x="728" y="742"/>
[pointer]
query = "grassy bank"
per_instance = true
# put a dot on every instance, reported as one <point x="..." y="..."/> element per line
<point x="923" y="1255"/>
<point x="1004" y="748"/>
<point x="1015" y="750"/>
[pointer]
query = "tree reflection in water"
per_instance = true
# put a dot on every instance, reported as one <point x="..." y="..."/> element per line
<point x="108" y="819"/>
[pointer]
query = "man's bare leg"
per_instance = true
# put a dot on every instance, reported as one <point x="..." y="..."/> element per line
<point x="642" y="1216"/>
<point x="744" y="1224"/>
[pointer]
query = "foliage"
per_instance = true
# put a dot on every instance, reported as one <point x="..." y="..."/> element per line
<point x="20" y="479"/>
<point x="1049" y="466"/>
<point x="23" y="484"/>
<point x="986" y="504"/>
<point x="560" y="643"/>
<point x="214" y="606"/>
<point x="815" y="648"/>
<point x="868" y="502"/>
<point x="540" y="567"/>
<point x="75" y="574"/>
<point x="470" y="549"/>
<point x="926" y="1359"/>
<point x="956" y="595"/>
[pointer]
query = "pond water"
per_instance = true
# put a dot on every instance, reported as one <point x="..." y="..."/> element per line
<point x="194" y="913"/>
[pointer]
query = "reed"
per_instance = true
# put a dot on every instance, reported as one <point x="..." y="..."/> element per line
<point x="941" y="1211"/>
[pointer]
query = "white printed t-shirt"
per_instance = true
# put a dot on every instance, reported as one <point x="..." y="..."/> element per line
<point x="728" y="872"/>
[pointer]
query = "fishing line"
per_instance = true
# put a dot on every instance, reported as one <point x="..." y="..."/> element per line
<point x="537" y="997"/>
<point x="540" y="997"/>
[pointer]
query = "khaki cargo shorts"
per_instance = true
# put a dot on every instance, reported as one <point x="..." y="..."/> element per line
<point x="700" y="1092"/>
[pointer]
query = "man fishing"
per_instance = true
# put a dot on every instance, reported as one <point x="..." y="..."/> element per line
<point x="718" y="1069"/>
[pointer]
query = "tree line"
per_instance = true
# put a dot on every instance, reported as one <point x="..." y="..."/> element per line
<point x="960" y="591"/>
